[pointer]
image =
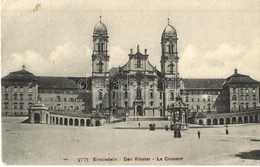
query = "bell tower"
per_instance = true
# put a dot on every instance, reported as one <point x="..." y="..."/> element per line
<point x="169" y="66"/>
<point x="100" y="57"/>
<point x="169" y="58"/>
<point x="100" y="67"/>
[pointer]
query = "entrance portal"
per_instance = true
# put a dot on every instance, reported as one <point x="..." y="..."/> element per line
<point x="139" y="110"/>
<point x="36" y="118"/>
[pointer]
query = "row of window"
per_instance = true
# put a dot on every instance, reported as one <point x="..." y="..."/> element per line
<point x="198" y="99"/>
<point x="243" y="90"/>
<point x="242" y="97"/>
<point x="198" y="92"/>
<point x="101" y="47"/>
<point x="15" y="97"/>
<point x="15" y="89"/>
<point x="59" y="107"/>
<point x="242" y="105"/>
<point x="58" y="91"/>
<point x="198" y="107"/>
<point x="16" y="105"/>
<point x="59" y="99"/>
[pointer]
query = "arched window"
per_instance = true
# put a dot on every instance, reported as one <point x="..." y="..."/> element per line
<point x="21" y="89"/>
<point x="30" y="89"/>
<point x="246" y="90"/>
<point x="169" y="49"/>
<point x="246" y="97"/>
<point x="6" y="105"/>
<point x="6" y="96"/>
<point x="138" y="62"/>
<point x="126" y="94"/>
<point x="29" y="104"/>
<point x="242" y="97"/>
<point x="138" y="93"/>
<point x="151" y="95"/>
<point x="21" y="96"/>
<point x="246" y="105"/>
<point x="171" y="68"/>
<point x="254" y="104"/>
<point x="208" y="98"/>
<point x="253" y="90"/>
<point x="58" y="106"/>
<point x="242" y="105"/>
<point x="234" y="90"/>
<point x="21" y="105"/>
<point x="30" y="96"/>
<point x="114" y="95"/>
<point x="126" y="104"/>
<point x="100" y="66"/>
<point x="187" y="99"/>
<point x="100" y="95"/>
<point x="234" y="106"/>
<point x="151" y="103"/>
<point x="241" y="90"/>
<point x="15" y="96"/>
<point x="58" y="98"/>
<point x="15" y="105"/>
<point x="254" y="97"/>
<point x="172" y="95"/>
<point x="234" y="97"/>
<point x="102" y="47"/>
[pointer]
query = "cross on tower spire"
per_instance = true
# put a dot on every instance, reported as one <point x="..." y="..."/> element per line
<point x="100" y="18"/>
<point x="168" y="21"/>
<point x="23" y="67"/>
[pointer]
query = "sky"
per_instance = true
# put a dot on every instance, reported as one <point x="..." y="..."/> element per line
<point x="214" y="37"/>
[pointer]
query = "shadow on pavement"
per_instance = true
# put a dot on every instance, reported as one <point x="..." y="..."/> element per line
<point x="254" y="154"/>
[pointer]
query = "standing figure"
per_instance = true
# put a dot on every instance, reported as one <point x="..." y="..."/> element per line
<point x="139" y="124"/>
<point x="198" y="134"/>
<point x="227" y="132"/>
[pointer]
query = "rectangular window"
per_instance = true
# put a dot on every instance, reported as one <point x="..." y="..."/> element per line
<point x="151" y="95"/>
<point x="114" y="95"/>
<point x="161" y="95"/>
<point x="65" y="99"/>
<point x="126" y="94"/>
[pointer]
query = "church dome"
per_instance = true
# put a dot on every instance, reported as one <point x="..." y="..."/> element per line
<point x="169" y="32"/>
<point x="100" y="29"/>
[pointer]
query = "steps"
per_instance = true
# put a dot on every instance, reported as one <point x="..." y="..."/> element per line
<point x="132" y="118"/>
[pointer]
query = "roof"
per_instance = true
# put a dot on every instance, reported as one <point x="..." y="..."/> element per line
<point x="205" y="83"/>
<point x="21" y="75"/>
<point x="113" y="71"/>
<point x="200" y="115"/>
<point x="57" y="82"/>
<point x="71" y="114"/>
<point x="179" y="103"/>
<point x="237" y="78"/>
<point x="97" y="115"/>
<point x="169" y="31"/>
<point x="100" y="29"/>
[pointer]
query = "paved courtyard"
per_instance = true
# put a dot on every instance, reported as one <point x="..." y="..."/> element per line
<point x="24" y="143"/>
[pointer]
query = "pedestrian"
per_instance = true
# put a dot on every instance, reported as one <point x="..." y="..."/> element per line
<point x="198" y="134"/>
<point x="139" y="124"/>
<point x="227" y="132"/>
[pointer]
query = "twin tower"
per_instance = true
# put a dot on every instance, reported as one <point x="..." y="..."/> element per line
<point x="139" y="102"/>
<point x="100" y="56"/>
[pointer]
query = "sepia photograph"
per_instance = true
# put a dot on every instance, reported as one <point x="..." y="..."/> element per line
<point x="97" y="82"/>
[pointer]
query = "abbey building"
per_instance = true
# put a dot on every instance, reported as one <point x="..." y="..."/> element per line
<point x="134" y="89"/>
